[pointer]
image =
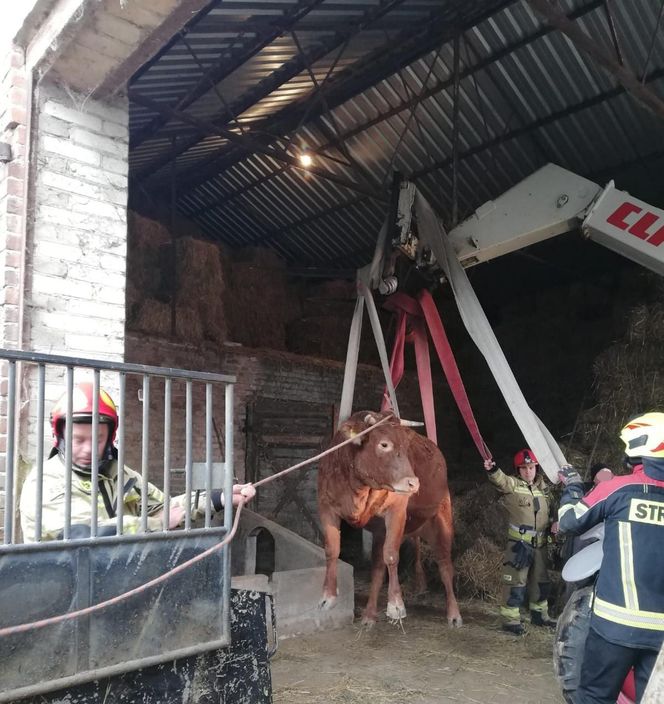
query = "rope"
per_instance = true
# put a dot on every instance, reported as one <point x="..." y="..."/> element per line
<point x="35" y="625"/>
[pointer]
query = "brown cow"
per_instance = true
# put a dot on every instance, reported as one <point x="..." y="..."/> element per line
<point x="393" y="482"/>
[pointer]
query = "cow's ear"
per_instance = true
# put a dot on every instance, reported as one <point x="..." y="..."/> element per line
<point x="370" y="419"/>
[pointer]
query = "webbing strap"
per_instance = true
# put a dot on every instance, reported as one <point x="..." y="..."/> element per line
<point x="537" y="436"/>
<point x="352" y="353"/>
<point x="408" y="310"/>
<point x="447" y="361"/>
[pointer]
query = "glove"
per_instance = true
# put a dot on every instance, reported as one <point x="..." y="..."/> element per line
<point x="523" y="555"/>
<point x="489" y="465"/>
<point x="568" y="475"/>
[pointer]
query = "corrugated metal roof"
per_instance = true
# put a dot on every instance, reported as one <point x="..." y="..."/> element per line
<point x="526" y="96"/>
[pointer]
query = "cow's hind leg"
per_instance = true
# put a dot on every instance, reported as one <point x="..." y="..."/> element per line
<point x="420" y="580"/>
<point x="439" y="533"/>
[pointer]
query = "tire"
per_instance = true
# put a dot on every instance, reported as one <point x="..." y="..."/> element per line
<point x="570" y="639"/>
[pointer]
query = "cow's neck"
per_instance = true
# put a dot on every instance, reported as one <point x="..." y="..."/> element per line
<point x="365" y="503"/>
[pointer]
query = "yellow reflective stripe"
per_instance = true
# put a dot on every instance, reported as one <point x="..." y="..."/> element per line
<point x="635" y="618"/>
<point x="627" y="566"/>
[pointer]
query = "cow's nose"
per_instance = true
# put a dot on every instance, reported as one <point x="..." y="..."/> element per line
<point x="414" y="484"/>
<point x="407" y="485"/>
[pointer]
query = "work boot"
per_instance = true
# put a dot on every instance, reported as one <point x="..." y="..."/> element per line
<point x="538" y="618"/>
<point x="514" y="627"/>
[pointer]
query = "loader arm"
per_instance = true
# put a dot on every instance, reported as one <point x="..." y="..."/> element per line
<point x="553" y="201"/>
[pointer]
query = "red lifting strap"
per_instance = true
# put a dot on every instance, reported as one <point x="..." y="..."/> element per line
<point x="417" y="313"/>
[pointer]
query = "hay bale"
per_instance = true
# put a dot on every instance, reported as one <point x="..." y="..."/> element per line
<point x="152" y="317"/>
<point x="479" y="571"/>
<point x="200" y="291"/>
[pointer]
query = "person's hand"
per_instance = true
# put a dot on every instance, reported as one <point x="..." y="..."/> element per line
<point x="554" y="528"/>
<point x="243" y="493"/>
<point x="568" y="475"/>
<point x="489" y="465"/>
<point x="176" y="516"/>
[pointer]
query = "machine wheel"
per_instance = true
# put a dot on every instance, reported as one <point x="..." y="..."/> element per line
<point x="570" y="640"/>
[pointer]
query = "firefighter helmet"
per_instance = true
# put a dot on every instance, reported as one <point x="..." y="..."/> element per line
<point x="644" y="436"/>
<point x="82" y="400"/>
<point x="525" y="456"/>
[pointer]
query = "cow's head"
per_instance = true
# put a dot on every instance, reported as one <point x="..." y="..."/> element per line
<point x="380" y="458"/>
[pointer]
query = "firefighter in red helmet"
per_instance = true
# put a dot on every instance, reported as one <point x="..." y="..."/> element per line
<point x="54" y="481"/>
<point x="525" y="565"/>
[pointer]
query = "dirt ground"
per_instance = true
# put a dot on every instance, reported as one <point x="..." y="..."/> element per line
<point x="423" y="662"/>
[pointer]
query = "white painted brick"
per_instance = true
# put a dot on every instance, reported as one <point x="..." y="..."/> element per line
<point x="80" y="204"/>
<point x="55" y="163"/>
<point x="47" y="340"/>
<point x="52" y="198"/>
<point x="95" y="344"/>
<point x="86" y="224"/>
<point x="117" y="166"/>
<point x="109" y="145"/>
<point x="82" y="188"/>
<point x="50" y="266"/>
<point x="108" y="312"/>
<point x="64" y="147"/>
<point x="64" y="320"/>
<point x="97" y="175"/>
<point x="69" y="114"/>
<point x="114" y="113"/>
<point x="57" y="286"/>
<point x="87" y="256"/>
<point x="54" y="126"/>
<point x="112" y="129"/>
<point x="65" y="183"/>
<point x="108" y="294"/>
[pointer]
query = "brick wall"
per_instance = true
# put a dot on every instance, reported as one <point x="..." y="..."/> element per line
<point x="74" y="296"/>
<point x="260" y="373"/>
<point x="13" y="121"/>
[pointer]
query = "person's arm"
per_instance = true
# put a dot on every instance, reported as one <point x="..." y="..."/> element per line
<point x="576" y="513"/>
<point x="504" y="483"/>
<point x="241" y="494"/>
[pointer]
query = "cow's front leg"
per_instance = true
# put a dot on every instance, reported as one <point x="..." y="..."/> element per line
<point x="370" y="613"/>
<point x="395" y="522"/>
<point x="330" y="524"/>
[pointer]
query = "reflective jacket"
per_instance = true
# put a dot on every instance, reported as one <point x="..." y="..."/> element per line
<point x="527" y="507"/>
<point x="53" y="500"/>
<point x="628" y="608"/>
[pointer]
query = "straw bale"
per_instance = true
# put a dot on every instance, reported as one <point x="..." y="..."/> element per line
<point x="200" y="290"/>
<point x="479" y="571"/>
<point x="628" y="379"/>
<point x="152" y="317"/>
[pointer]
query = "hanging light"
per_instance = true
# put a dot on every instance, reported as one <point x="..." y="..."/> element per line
<point x="306" y="159"/>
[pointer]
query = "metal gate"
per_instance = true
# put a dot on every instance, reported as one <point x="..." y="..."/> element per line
<point x="183" y="616"/>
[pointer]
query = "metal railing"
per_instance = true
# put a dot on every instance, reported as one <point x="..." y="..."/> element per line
<point x="151" y="378"/>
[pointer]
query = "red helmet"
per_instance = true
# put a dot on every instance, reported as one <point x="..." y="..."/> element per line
<point x="82" y="410"/>
<point x="524" y="456"/>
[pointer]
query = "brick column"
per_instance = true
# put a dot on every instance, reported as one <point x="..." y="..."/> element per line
<point x="13" y="126"/>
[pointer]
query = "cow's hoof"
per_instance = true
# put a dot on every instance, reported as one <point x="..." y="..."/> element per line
<point x="455" y="621"/>
<point x="368" y="622"/>
<point x="327" y="602"/>
<point x="395" y="612"/>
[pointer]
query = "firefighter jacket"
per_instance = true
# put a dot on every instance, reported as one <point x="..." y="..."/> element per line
<point x="628" y="607"/>
<point x="527" y="507"/>
<point x="53" y="500"/>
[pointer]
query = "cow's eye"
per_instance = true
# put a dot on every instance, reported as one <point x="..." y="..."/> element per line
<point x="385" y="445"/>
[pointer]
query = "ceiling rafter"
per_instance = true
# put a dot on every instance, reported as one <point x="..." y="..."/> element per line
<point x="225" y="65"/>
<point x="252" y="146"/>
<point x="410" y="103"/>
<point x="291" y="68"/>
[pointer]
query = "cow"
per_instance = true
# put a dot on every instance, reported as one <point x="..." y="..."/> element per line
<point x="393" y="482"/>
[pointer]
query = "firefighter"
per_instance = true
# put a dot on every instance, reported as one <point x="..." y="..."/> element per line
<point x="525" y="563"/>
<point x="627" y="622"/>
<point x="53" y="489"/>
